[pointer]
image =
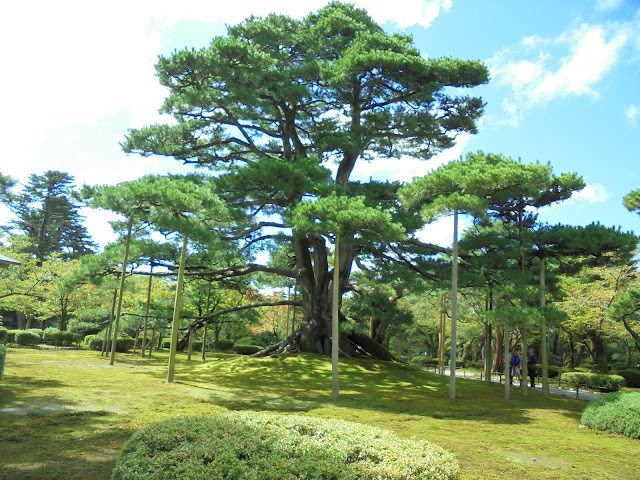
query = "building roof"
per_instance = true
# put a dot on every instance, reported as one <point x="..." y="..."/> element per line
<point x="6" y="261"/>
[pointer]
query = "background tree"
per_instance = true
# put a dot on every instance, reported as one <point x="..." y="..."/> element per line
<point x="48" y="215"/>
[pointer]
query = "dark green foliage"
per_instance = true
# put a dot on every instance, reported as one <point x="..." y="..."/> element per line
<point x="423" y="361"/>
<point x="599" y="381"/>
<point x="268" y="447"/>
<point x="48" y="216"/>
<point x="247" y="349"/>
<point x="57" y="337"/>
<point x="3" y="356"/>
<point x="223" y="345"/>
<point x="166" y="344"/>
<point x="4" y="333"/>
<point x="94" y="342"/>
<point x="553" y="371"/>
<point x="124" y="344"/>
<point x="25" y="337"/>
<point x="631" y="377"/>
<point x="617" y="412"/>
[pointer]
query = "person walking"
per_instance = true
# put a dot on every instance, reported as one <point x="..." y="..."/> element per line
<point x="532" y="359"/>
<point x="515" y="367"/>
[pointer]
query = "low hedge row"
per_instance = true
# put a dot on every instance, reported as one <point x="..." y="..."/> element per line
<point x="26" y="337"/>
<point x="3" y="356"/>
<point x="600" y="381"/>
<point x="423" y="361"/>
<point x="4" y="333"/>
<point x="59" y="337"/>
<point x="94" y="342"/>
<point x="247" y="349"/>
<point x="251" y="446"/>
<point x="631" y="377"/>
<point x="617" y="412"/>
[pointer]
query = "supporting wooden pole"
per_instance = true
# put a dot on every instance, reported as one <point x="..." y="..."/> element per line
<point x="544" y="357"/>
<point x="176" y="313"/>
<point x="120" y="295"/>
<point x="146" y="312"/>
<point x="335" y="308"/>
<point x="454" y="308"/>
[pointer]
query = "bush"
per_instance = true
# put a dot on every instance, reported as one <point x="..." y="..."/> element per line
<point x="11" y="335"/>
<point x="124" y="344"/>
<point x="3" y="356"/>
<point x="166" y="344"/>
<point x="617" y="412"/>
<point x="57" y="337"/>
<point x="631" y="377"/>
<point x="424" y="361"/>
<point x="600" y="381"/>
<point x="223" y="345"/>
<point x="94" y="342"/>
<point x="553" y="371"/>
<point x="247" y="349"/>
<point x="4" y="333"/>
<point x="25" y="337"/>
<point x="266" y="447"/>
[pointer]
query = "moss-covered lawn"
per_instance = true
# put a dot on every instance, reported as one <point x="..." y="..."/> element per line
<point x="65" y="414"/>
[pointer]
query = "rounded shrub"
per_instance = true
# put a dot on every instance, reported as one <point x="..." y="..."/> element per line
<point x="424" y="361"/>
<point x="631" y="377"/>
<point x="94" y="342"/>
<point x="617" y="412"/>
<point x="25" y="337"/>
<point x="4" y="334"/>
<point x="124" y="344"/>
<point x="247" y="349"/>
<point x="52" y="335"/>
<point x="223" y="345"/>
<point x="254" y="446"/>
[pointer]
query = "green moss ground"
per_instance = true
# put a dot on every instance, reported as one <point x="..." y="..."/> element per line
<point x="66" y="414"/>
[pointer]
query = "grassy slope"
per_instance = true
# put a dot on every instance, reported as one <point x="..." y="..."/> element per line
<point x="66" y="414"/>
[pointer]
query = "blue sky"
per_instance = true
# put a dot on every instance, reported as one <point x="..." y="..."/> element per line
<point x="564" y="89"/>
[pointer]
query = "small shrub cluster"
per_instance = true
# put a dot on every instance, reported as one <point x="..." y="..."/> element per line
<point x="610" y="383"/>
<point x="3" y="356"/>
<point x="223" y="345"/>
<point x="552" y="370"/>
<point x="617" y="412"/>
<point x="631" y="377"/>
<point x="424" y="361"/>
<point x="4" y="333"/>
<point x="27" y="337"/>
<point x="247" y="349"/>
<point x="124" y="343"/>
<point x="254" y="446"/>
<point x="94" y="342"/>
<point x="57" y="337"/>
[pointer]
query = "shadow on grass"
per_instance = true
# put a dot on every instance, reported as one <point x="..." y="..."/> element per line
<point x="303" y="383"/>
<point x="69" y="445"/>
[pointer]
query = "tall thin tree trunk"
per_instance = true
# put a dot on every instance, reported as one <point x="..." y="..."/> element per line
<point x="507" y="366"/>
<point x="190" y="347"/>
<point x="543" y="344"/>
<point x="106" y="344"/>
<point x="206" y="324"/>
<point x="335" y="308"/>
<point x="454" y="308"/>
<point x="176" y="312"/>
<point x="120" y="295"/>
<point x="443" y="331"/>
<point x="146" y="312"/>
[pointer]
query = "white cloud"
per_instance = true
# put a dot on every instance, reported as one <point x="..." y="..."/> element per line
<point x="632" y="113"/>
<point x="589" y="195"/>
<point x="537" y="79"/>
<point x="440" y="232"/>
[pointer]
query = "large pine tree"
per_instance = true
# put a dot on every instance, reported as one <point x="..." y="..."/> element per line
<point x="48" y="215"/>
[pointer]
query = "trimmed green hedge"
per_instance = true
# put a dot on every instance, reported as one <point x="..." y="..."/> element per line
<point x="25" y="337"/>
<point x="600" y="381"/>
<point x="59" y="337"/>
<point x="247" y="349"/>
<point x="3" y="356"/>
<point x="424" y="361"/>
<point x="250" y="446"/>
<point x="94" y="342"/>
<point x="223" y="345"/>
<point x="617" y="412"/>
<point x="631" y="377"/>
<point x="4" y="334"/>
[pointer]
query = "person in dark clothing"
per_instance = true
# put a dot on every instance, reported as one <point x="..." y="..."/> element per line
<point x="532" y="359"/>
<point x="515" y="366"/>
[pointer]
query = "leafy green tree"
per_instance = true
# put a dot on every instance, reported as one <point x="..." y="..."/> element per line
<point x="273" y="104"/>
<point x="48" y="215"/>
